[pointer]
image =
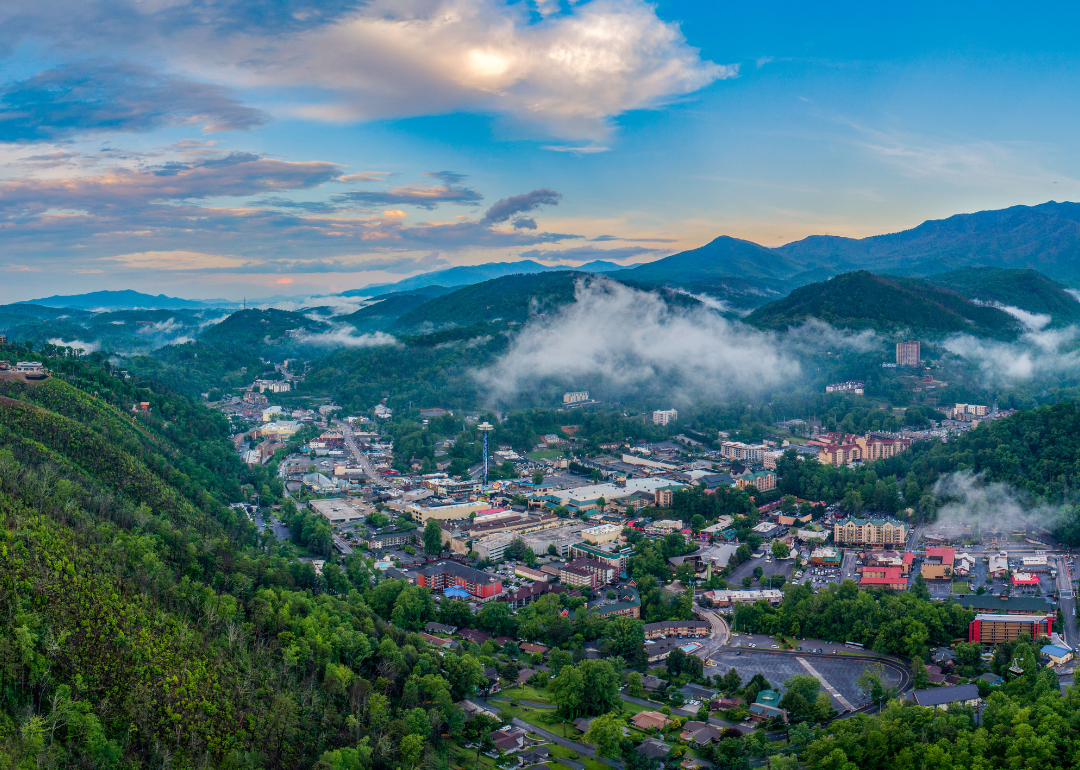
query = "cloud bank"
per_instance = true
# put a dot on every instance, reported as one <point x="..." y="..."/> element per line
<point x="1034" y="354"/>
<point x="971" y="500"/>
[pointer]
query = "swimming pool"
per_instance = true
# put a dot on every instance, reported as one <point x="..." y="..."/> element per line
<point x="688" y="648"/>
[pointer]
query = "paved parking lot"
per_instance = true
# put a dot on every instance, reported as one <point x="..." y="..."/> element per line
<point x="783" y="567"/>
<point x="838" y="671"/>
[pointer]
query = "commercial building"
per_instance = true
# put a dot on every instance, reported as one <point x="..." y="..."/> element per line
<point x="747" y="453"/>
<point x="605" y="533"/>
<point x="577" y="577"/>
<point x="677" y="628"/>
<point x="883" y="577"/>
<point x="829" y="557"/>
<point x="908" y="354"/>
<point x="943" y="697"/>
<point x="576" y="397"/>
<point x="763" y="481"/>
<point x="492" y="548"/>
<point x="393" y="539"/>
<point x="274" y="386"/>
<point x="614" y="555"/>
<point x="602" y="572"/>
<point x="1005" y="605"/>
<point x="968" y="411"/>
<point x="870" y="530"/>
<point x="938" y="564"/>
<point x="445" y="574"/>
<point x="664" y="497"/>
<point x="853" y="386"/>
<point x="442" y="510"/>
<point x="627" y="602"/>
<point x="530" y="574"/>
<point x="664" y="416"/>
<point x="729" y="598"/>
<point x="865" y="448"/>
<point x="338" y="511"/>
<point x="994" y="629"/>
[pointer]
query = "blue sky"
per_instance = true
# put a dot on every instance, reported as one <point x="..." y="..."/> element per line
<point x="204" y="150"/>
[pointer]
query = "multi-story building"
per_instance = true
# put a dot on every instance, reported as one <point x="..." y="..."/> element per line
<point x="854" y="386"/>
<point x="1007" y="605"/>
<point x="761" y="480"/>
<point x="729" y="598"/>
<point x="613" y="555"/>
<point x="602" y="571"/>
<point x="576" y="397"/>
<point x="870" y="530"/>
<point x="577" y="577"/>
<point x="274" y="386"/>
<point x="664" y="416"/>
<point x="994" y="629"/>
<point x="677" y="628"/>
<point x="883" y="577"/>
<point x="627" y="602"/>
<point x="605" y="533"/>
<point x="908" y="353"/>
<point x="968" y="411"/>
<point x="444" y="574"/>
<point x="443" y="510"/>
<point x="664" y="497"/>
<point x="938" y="564"/>
<point x="747" y="453"/>
<point x="867" y="448"/>
<point x="392" y="539"/>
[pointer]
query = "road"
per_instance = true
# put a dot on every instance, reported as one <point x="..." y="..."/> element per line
<point x="361" y="458"/>
<point x="580" y="748"/>
<point x="720" y="630"/>
<point x="1067" y="600"/>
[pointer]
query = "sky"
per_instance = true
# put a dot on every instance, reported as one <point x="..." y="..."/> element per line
<point x="228" y="149"/>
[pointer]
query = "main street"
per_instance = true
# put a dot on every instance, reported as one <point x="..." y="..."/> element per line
<point x="1067" y="599"/>
<point x="361" y="458"/>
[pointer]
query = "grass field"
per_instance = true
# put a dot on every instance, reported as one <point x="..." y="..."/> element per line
<point x="562" y="751"/>
<point x="525" y="692"/>
<point x="544" y="454"/>
<point x="960" y="588"/>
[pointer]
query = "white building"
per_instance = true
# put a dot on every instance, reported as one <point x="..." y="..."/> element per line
<point x="274" y="386"/>
<point x="736" y="450"/>
<point x="576" y="397"/>
<point x="664" y="416"/>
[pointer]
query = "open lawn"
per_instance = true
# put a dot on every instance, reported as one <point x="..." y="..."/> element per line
<point x="535" y="718"/>
<point x="524" y="692"/>
<point x="562" y="751"/>
<point x="544" y="454"/>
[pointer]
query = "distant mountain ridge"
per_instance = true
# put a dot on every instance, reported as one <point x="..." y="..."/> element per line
<point x="467" y="275"/>
<point x="127" y="299"/>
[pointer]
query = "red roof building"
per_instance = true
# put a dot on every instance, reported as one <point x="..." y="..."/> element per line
<point x="883" y="577"/>
<point x="1025" y="579"/>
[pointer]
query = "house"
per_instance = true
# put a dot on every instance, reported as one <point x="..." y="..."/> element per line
<point x="723" y="704"/>
<point x="582" y="724"/>
<point x="509" y="739"/>
<point x="474" y="635"/>
<point x="653" y="683"/>
<point x="524" y="674"/>
<point x="651" y="748"/>
<point x="532" y="649"/>
<point x="440" y="628"/>
<point x="438" y="641"/>
<point x="941" y="697"/>
<point x="700" y="733"/>
<point x="532" y="756"/>
<point x="627" y="602"/>
<point x="992" y="679"/>
<point x="698" y="693"/>
<point x="649" y="720"/>
<point x="1057" y="655"/>
<point x="493" y="685"/>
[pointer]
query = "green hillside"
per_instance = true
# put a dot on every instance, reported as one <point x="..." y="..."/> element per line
<point x="384" y="312"/>
<point x="862" y="300"/>
<point x="255" y="329"/>
<point x="510" y="298"/>
<point x="1026" y="289"/>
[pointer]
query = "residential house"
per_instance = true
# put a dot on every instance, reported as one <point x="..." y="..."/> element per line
<point x="701" y="734"/>
<point x="767" y="706"/>
<point x="649" y="720"/>
<point x="509" y="740"/>
<point x="942" y="697"/>
<point x="653" y="683"/>
<point x="493" y="686"/>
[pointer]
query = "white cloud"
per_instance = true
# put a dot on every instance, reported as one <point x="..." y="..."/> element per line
<point x="1035" y="353"/>
<point x="344" y="335"/>
<point x="83" y="347"/>
<point x="567" y="72"/>
<point x="1031" y="321"/>
<point x="971" y="500"/>
<point x="177" y="260"/>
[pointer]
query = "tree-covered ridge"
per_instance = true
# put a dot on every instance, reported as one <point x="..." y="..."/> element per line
<point x="862" y="300"/>
<point x="1026" y="289"/>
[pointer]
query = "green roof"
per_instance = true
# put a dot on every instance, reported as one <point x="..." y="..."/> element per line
<point x="768" y="698"/>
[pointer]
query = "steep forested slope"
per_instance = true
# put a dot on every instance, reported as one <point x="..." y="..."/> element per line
<point x="862" y="300"/>
<point x="1028" y="290"/>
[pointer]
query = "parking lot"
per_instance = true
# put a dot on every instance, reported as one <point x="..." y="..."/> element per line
<point x="839" y="671"/>
<point x="783" y="567"/>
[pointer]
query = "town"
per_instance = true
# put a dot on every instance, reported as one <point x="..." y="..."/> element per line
<point x="686" y="603"/>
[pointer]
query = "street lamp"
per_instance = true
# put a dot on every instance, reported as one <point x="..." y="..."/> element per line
<point x="485" y="428"/>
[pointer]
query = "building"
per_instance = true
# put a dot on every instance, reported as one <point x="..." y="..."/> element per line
<point x="1005" y="605"/>
<point x="442" y="510"/>
<point x="967" y="412"/>
<point x="747" y="453"/>
<point x="603" y="572"/>
<point x="664" y="497"/>
<point x="938" y="564"/>
<point x="1057" y="654"/>
<point x="274" y="386"/>
<point x="729" y="597"/>
<point x="883" y="577"/>
<point x="627" y="602"/>
<point x="444" y="574"/>
<point x="908" y="354"/>
<point x="853" y="386"/>
<point x="664" y="416"/>
<point x="526" y="595"/>
<point x="943" y="697"/>
<point x="530" y="574"/>
<point x="649" y="720"/>
<point x="393" y="539"/>
<point x="870" y="530"/>
<point x="577" y="577"/>
<point x="337" y="511"/>
<point x="767" y="706"/>
<point x="994" y="629"/>
<point x="677" y="628"/>
<point x="829" y="557"/>
<point x="605" y="533"/>
<point x="861" y="448"/>
<point x="762" y="481"/>
<point x="576" y="397"/>
<point x="614" y="555"/>
<point x="1027" y="579"/>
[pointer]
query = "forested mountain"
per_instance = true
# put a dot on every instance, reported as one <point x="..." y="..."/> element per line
<point x="254" y="329"/>
<point x="722" y="257"/>
<point x="1026" y="289"/>
<point x="862" y="300"/>
<point x="127" y="300"/>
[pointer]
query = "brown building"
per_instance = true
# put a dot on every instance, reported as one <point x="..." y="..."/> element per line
<point x="871" y="530"/>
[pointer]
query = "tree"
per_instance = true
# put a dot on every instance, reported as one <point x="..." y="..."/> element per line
<point x="552" y="550"/>
<point x="606" y="732"/>
<point x="413" y="608"/>
<point x="624" y="635"/>
<point x="497" y="618"/>
<point x="433" y="537"/>
<point x="634" y="686"/>
<point x="780" y="549"/>
<point x="600" y="503"/>
<point x="464" y="674"/>
<point x="529" y="558"/>
<point x="455" y="612"/>
<point x="516" y="549"/>
<point x="537" y="477"/>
